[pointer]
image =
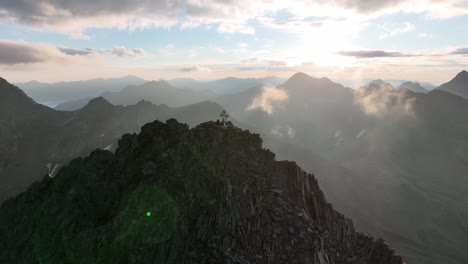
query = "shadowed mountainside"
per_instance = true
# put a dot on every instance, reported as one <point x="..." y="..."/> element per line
<point x="38" y="139"/>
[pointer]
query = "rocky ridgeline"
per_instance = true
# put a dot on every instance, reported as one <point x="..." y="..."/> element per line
<point x="171" y="194"/>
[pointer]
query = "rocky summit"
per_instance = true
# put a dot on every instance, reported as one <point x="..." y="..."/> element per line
<point x="170" y="194"/>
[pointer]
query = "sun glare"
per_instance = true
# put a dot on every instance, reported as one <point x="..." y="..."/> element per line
<point x="321" y="45"/>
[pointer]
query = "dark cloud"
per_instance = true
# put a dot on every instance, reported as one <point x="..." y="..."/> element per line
<point x="362" y="54"/>
<point x="55" y="11"/>
<point x="250" y="60"/>
<point x="73" y="52"/>
<point x="460" y="51"/>
<point x="368" y="6"/>
<point x="16" y="53"/>
<point x="276" y="62"/>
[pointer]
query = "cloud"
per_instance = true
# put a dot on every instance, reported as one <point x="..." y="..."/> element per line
<point x="394" y="31"/>
<point x="18" y="52"/>
<point x="232" y="28"/>
<point x="195" y="68"/>
<point x="281" y="131"/>
<point x="425" y="35"/>
<point x="73" y="52"/>
<point x="121" y="51"/>
<point x="268" y="100"/>
<point x="242" y="45"/>
<point x="362" y="54"/>
<point x="383" y="101"/>
<point x="460" y="51"/>
<point x="192" y="52"/>
<point x="74" y="17"/>
<point x="264" y="62"/>
<point x="220" y="51"/>
<point x="291" y="132"/>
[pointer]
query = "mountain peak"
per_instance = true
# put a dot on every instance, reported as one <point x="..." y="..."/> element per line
<point x="15" y="103"/>
<point x="10" y="94"/>
<point x="300" y="75"/>
<point x="412" y="86"/>
<point x="463" y="74"/>
<point x="299" y="78"/>
<point x="97" y="104"/>
<point x="458" y="85"/>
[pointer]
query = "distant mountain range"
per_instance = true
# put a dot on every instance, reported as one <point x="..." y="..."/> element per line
<point x="415" y="87"/>
<point x="411" y="86"/>
<point x="52" y="94"/>
<point x="226" y="86"/>
<point x="397" y="83"/>
<point x="77" y="93"/>
<point x="157" y="92"/>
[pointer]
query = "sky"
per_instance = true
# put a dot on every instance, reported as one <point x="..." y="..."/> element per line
<point x="349" y="40"/>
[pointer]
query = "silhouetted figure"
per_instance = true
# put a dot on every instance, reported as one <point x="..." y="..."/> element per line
<point x="224" y="115"/>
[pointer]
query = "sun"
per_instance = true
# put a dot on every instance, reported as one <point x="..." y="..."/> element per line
<point x="321" y="45"/>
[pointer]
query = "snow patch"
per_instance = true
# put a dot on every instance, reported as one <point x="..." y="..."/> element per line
<point x="361" y="133"/>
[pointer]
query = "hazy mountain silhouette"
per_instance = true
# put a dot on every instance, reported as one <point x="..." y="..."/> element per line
<point x="175" y="92"/>
<point x="411" y="86"/>
<point x="171" y="194"/>
<point x="157" y="92"/>
<point x="415" y="87"/>
<point x="397" y="83"/>
<point x="34" y="136"/>
<point x="457" y="86"/>
<point x="228" y="85"/>
<point x="54" y="93"/>
<point x="377" y="83"/>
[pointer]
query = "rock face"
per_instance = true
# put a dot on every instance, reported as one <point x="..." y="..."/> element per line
<point x="171" y="194"/>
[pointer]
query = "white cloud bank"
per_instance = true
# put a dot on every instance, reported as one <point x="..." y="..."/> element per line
<point x="269" y="100"/>
<point x="383" y="101"/>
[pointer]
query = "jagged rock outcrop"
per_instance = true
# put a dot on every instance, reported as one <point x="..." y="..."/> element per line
<point x="171" y="194"/>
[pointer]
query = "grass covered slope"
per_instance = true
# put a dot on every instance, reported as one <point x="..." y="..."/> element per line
<point x="171" y="194"/>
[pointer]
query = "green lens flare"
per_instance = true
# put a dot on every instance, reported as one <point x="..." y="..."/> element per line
<point x="148" y="213"/>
